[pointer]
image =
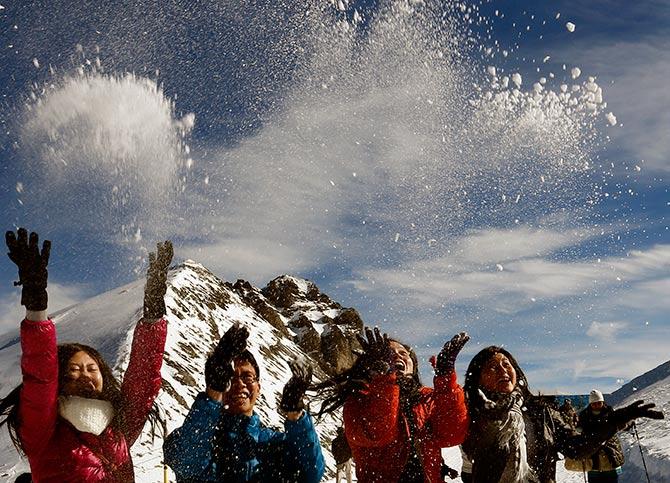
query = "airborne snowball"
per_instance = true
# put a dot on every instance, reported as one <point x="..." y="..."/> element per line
<point x="570" y="26"/>
<point x="516" y="78"/>
<point x="576" y="72"/>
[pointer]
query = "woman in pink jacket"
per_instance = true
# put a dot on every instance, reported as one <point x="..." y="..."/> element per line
<point x="71" y="416"/>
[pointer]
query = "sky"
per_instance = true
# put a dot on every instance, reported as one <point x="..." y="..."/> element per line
<point x="497" y="167"/>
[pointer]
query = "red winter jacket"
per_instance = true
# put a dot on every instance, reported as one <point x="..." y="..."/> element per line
<point x="57" y="452"/>
<point x="378" y="433"/>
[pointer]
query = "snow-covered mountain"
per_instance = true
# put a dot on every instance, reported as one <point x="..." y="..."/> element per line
<point x="288" y="319"/>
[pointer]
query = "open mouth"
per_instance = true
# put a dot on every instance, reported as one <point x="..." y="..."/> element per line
<point x="239" y="398"/>
<point x="399" y="366"/>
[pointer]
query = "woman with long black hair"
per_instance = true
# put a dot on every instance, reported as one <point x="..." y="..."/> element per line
<point x="394" y="424"/>
<point x="71" y="417"/>
<point x="514" y="436"/>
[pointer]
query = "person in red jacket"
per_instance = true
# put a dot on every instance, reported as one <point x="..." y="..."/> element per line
<point x="71" y="417"/>
<point x="395" y="426"/>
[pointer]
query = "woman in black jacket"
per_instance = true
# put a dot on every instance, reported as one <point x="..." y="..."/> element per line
<point x="514" y="436"/>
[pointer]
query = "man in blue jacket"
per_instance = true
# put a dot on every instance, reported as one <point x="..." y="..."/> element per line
<point x="222" y="438"/>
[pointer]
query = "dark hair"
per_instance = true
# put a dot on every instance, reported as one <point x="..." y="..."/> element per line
<point x="336" y="390"/>
<point x="247" y="356"/>
<point x="111" y="391"/>
<point x="471" y="386"/>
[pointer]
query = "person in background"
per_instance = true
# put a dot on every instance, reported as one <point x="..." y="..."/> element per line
<point x="342" y="454"/>
<point x="71" y="417"/>
<point x="395" y="425"/>
<point x="222" y="438"/>
<point x="607" y="461"/>
<point x="515" y="436"/>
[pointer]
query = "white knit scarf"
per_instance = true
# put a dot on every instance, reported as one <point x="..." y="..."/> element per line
<point x="87" y="415"/>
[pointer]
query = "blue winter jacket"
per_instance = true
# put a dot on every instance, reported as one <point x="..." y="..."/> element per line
<point x="215" y="446"/>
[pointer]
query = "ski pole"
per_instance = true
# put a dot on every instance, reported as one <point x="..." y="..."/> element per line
<point x="165" y="466"/>
<point x="639" y="444"/>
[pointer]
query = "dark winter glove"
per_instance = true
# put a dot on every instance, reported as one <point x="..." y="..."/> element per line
<point x="32" y="266"/>
<point x="294" y="390"/>
<point x="446" y="359"/>
<point x="636" y="410"/>
<point x="376" y="352"/>
<point x="154" y="291"/>
<point x="219" y="365"/>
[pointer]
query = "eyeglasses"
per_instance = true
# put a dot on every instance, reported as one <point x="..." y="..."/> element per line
<point x="247" y="379"/>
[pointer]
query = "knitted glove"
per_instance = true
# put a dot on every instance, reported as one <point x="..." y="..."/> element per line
<point x="154" y="290"/>
<point x="219" y="365"/>
<point x="294" y="390"/>
<point x="32" y="266"/>
<point x="376" y="352"/>
<point x="446" y="359"/>
<point x="636" y="410"/>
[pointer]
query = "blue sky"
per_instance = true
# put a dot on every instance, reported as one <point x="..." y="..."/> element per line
<point x="381" y="149"/>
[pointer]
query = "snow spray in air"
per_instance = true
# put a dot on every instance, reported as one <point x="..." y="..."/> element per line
<point x="400" y="133"/>
<point x="106" y="152"/>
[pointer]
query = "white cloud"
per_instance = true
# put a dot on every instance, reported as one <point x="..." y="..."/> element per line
<point x="525" y="277"/>
<point x="605" y="331"/>
<point x="255" y="260"/>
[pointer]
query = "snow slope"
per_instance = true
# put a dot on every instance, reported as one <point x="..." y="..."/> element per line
<point x="654" y="437"/>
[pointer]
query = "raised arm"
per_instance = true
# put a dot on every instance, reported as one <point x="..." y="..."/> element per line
<point x="450" y="415"/>
<point x="142" y="380"/>
<point x="371" y="414"/>
<point x="39" y="360"/>
<point x="580" y="445"/>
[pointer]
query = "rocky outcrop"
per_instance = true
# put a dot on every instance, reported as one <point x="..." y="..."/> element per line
<point x="337" y="350"/>
<point x="257" y="302"/>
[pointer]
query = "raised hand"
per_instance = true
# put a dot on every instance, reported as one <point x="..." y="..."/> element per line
<point x="377" y="353"/>
<point x="154" y="291"/>
<point x="219" y="365"/>
<point x="32" y="265"/>
<point x="637" y="410"/>
<point x="294" y="390"/>
<point x="446" y="359"/>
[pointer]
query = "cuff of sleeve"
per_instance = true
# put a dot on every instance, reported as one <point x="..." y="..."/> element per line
<point x="36" y="315"/>
<point x="447" y="382"/>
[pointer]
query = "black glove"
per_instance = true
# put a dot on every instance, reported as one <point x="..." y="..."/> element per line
<point x="446" y="359"/>
<point x="376" y="352"/>
<point x="154" y="291"/>
<point x="219" y="365"/>
<point x="32" y="265"/>
<point x="637" y="410"/>
<point x="294" y="390"/>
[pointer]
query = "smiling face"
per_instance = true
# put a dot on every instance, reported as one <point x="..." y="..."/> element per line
<point x="82" y="376"/>
<point x="244" y="389"/>
<point x="498" y="375"/>
<point x="401" y="360"/>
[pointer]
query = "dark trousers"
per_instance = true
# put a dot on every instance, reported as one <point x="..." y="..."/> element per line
<point x="603" y="476"/>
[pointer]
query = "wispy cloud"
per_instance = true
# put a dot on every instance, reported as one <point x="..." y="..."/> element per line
<point x="482" y="272"/>
<point x="605" y="331"/>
